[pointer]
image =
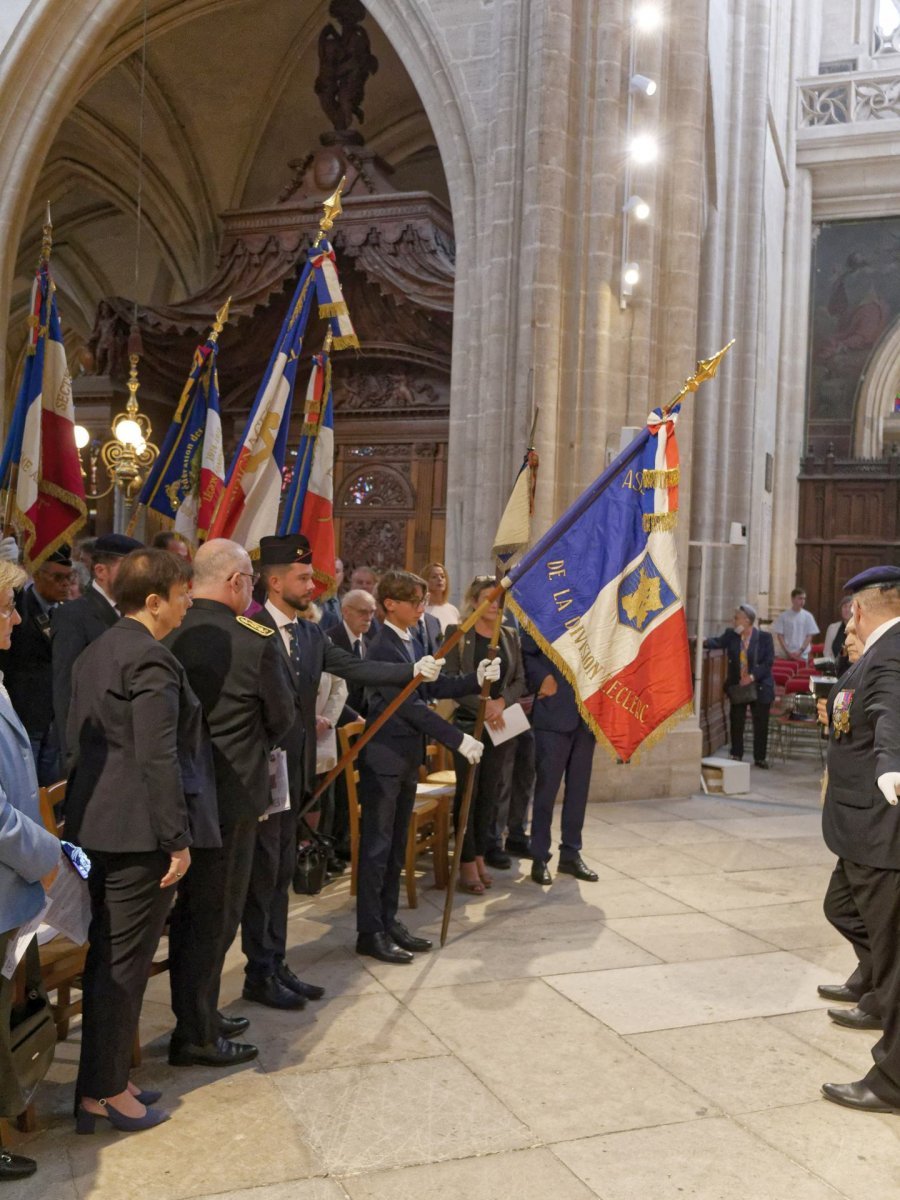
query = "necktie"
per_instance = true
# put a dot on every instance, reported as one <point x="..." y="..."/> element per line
<point x="423" y="635"/>
<point x="357" y="648"/>
<point x="293" y="645"/>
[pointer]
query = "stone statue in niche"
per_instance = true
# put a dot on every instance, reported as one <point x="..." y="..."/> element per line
<point x="107" y="342"/>
<point x="345" y="63"/>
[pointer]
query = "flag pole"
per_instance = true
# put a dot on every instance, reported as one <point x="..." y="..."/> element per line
<point x="463" y="821"/>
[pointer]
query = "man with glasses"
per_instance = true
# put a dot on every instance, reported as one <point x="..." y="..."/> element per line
<point x="358" y="628"/>
<point x="237" y="670"/>
<point x="28" y="664"/>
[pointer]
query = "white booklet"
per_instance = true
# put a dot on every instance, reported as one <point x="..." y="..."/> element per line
<point x="514" y="723"/>
<point x="278" y="784"/>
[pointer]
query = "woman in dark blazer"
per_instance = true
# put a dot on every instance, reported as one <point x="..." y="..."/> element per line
<point x="494" y="772"/>
<point x="750" y="656"/>
<point x="126" y="806"/>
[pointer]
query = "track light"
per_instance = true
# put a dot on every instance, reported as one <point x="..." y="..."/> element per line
<point x="636" y="207"/>
<point x="647" y="18"/>
<point x="643" y="148"/>
<point x="644" y="85"/>
<point x="631" y="277"/>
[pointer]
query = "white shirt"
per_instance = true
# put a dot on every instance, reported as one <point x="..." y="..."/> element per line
<point x="794" y="628"/>
<point x="355" y="637"/>
<point x="446" y="613"/>
<point x="876" y="634"/>
<point x="403" y="634"/>
<point x="283" y="622"/>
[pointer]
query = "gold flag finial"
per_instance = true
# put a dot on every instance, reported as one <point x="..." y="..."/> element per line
<point x="46" y="236"/>
<point x="332" y="206"/>
<point x="706" y="369"/>
<point x="221" y="318"/>
<point x="329" y="338"/>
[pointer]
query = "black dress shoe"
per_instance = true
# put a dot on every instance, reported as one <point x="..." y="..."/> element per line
<point x="220" y="1053"/>
<point x="495" y="857"/>
<point x="540" y="873"/>
<point x="855" y="1018"/>
<point x="335" y="865"/>
<point x="838" y="991"/>
<point x="309" y="991"/>
<point x="578" y="867"/>
<point x="518" y="846"/>
<point x="407" y="940"/>
<point x="272" y="993"/>
<point x="857" y="1095"/>
<point x="230" y="1027"/>
<point x="16" y="1166"/>
<point x="383" y="947"/>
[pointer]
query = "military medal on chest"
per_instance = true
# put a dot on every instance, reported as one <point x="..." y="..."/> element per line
<point x="840" y="713"/>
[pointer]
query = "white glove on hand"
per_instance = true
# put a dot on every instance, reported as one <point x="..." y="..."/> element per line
<point x="488" y="669"/>
<point x="428" y="668"/>
<point x="889" y="785"/>
<point x="471" y="750"/>
<point x="9" y="550"/>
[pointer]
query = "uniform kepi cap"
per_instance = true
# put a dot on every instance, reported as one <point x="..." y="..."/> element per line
<point x="873" y="577"/>
<point x="62" y="557"/>
<point x="115" y="545"/>
<point x="282" y="551"/>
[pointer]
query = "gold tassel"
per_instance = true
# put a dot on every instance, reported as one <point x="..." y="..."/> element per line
<point x="336" y="309"/>
<point x="350" y="342"/>
<point x="660" y="479"/>
<point x="660" y="522"/>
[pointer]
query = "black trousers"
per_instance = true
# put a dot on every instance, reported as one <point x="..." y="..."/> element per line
<point x="493" y="777"/>
<point x="557" y="755"/>
<point x="842" y="912"/>
<point x="128" y="913"/>
<point x="264" y="921"/>
<point x="759" y="713"/>
<point x="204" y="922"/>
<point x="386" y="803"/>
<point x="876" y="891"/>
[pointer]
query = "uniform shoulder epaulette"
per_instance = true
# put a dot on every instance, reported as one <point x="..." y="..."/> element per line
<point x="262" y="630"/>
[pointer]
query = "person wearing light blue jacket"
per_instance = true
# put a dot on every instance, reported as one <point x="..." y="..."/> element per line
<point x="27" y="854"/>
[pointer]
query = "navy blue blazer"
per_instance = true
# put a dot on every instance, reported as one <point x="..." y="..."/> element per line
<point x="557" y="713"/>
<point x="760" y="656"/>
<point x="432" y="640"/>
<point x="399" y="746"/>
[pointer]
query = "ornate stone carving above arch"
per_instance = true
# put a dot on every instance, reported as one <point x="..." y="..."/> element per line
<point x="378" y="486"/>
<point x="875" y="399"/>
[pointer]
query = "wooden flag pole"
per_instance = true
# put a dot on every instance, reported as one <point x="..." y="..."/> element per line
<point x="466" y="805"/>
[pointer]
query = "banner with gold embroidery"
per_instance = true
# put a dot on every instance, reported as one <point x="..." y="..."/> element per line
<point x="600" y="594"/>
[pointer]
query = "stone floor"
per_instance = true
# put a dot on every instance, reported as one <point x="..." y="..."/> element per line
<point x="654" y="1036"/>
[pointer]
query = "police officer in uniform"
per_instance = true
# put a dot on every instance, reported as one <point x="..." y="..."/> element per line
<point x="307" y="651"/>
<point x="237" y="671"/>
<point x="861" y="817"/>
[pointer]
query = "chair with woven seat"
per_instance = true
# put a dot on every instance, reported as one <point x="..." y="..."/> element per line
<point x="429" y="827"/>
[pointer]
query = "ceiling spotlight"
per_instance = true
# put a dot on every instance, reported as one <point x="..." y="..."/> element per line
<point x="647" y="18"/>
<point x="641" y="83"/>
<point x="631" y="277"/>
<point x="637" y="208"/>
<point x="643" y="148"/>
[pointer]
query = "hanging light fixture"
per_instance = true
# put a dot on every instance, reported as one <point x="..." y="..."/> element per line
<point x="643" y="84"/>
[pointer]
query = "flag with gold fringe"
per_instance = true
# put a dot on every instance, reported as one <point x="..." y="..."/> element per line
<point x="600" y="594"/>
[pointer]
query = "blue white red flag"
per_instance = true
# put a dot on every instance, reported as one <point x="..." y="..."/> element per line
<point x="40" y="469"/>
<point x="249" y="507"/>
<point x="309" y="508"/>
<point x="185" y="485"/>
<point x="600" y="594"/>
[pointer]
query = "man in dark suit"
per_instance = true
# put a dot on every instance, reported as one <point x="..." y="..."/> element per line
<point x="563" y="745"/>
<point x="427" y="633"/>
<point x="28" y="665"/>
<point x="861" y="817"/>
<point x="751" y="653"/>
<point x="75" y="625"/>
<point x="388" y="771"/>
<point x="236" y="669"/>
<point x="354" y="633"/>
<point x="286" y="565"/>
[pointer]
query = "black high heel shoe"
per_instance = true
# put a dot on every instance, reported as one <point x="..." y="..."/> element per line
<point x="86" y="1121"/>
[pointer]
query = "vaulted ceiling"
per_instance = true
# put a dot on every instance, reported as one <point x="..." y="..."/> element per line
<point x="228" y="102"/>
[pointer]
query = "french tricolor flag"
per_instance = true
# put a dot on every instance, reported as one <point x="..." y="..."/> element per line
<point x="601" y="596"/>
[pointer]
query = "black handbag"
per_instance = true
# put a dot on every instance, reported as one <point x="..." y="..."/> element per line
<point x="311" y="867"/>
<point x="742" y="693"/>
<point x="32" y="1040"/>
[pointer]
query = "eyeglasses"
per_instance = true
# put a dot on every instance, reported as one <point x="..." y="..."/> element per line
<point x="252" y="576"/>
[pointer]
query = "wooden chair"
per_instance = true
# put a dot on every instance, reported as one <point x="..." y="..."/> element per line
<point x="429" y="827"/>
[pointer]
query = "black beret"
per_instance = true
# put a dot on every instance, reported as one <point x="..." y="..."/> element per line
<point x="116" y="545"/>
<point x="62" y="556"/>
<point x="282" y="551"/>
<point x="873" y="577"/>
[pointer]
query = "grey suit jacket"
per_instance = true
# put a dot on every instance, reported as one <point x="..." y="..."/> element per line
<point x="461" y="661"/>
<point x="27" y="850"/>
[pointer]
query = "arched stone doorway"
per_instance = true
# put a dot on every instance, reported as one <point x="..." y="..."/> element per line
<point x="876" y="426"/>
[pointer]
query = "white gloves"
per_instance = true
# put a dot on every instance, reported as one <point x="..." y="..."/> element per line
<point x="428" y="668"/>
<point x="9" y="550"/>
<point x="471" y="750"/>
<point x="889" y="785"/>
<point x="488" y="669"/>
